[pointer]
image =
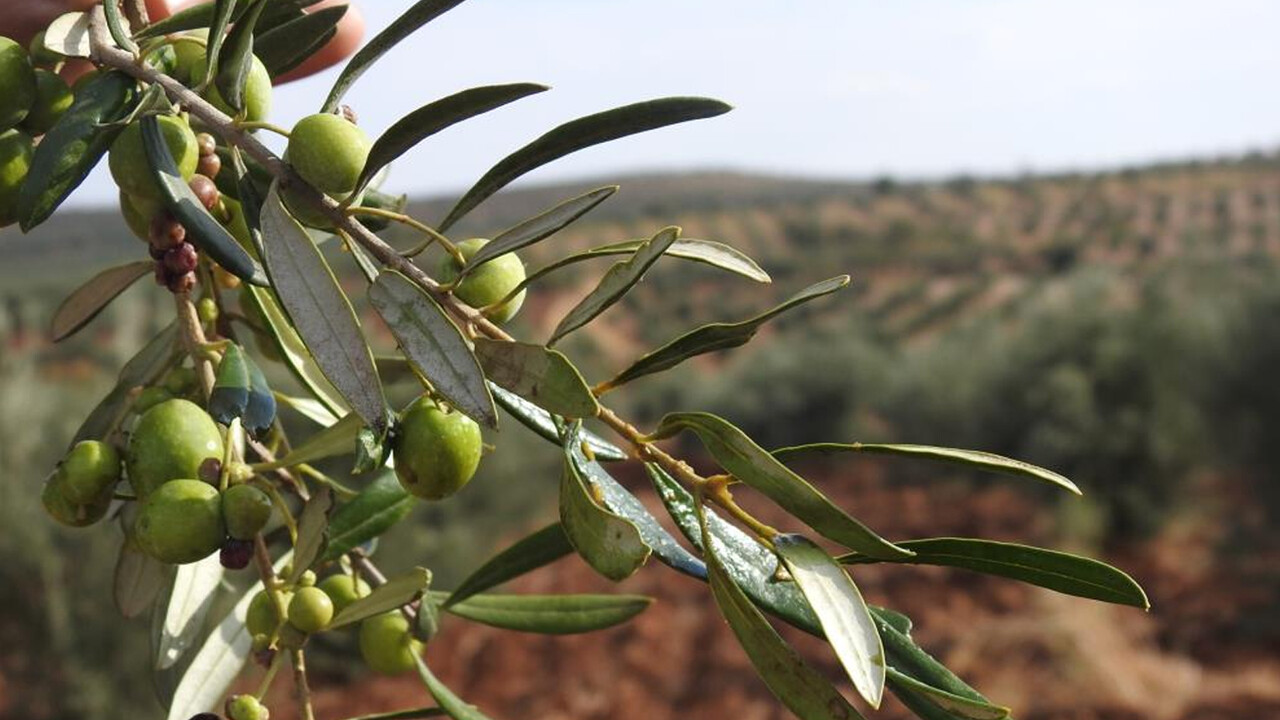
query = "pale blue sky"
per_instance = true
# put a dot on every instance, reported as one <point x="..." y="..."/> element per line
<point x="835" y="88"/>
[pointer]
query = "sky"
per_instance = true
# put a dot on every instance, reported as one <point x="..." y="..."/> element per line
<point x="829" y="88"/>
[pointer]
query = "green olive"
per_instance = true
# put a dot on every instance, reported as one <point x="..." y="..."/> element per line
<point x="306" y="214"/>
<point x="386" y="644"/>
<point x="137" y="213"/>
<point x="53" y="97"/>
<point x="343" y="590"/>
<point x="488" y="283"/>
<point x="17" y="83"/>
<point x="328" y="151"/>
<point x="180" y="380"/>
<point x="151" y="397"/>
<point x="181" y="522"/>
<point x="16" y="150"/>
<point x="89" y="471"/>
<point x="40" y="53"/>
<point x="246" y="510"/>
<point x="257" y="90"/>
<point x="262" y="618"/>
<point x="128" y="160"/>
<point x="55" y="502"/>
<point x="246" y="707"/>
<point x="436" y="452"/>
<point x="189" y="52"/>
<point x="170" y="441"/>
<point x="310" y="610"/>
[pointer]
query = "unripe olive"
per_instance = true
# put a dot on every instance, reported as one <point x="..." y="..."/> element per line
<point x="128" y="159"/>
<point x="16" y="150"/>
<point x="151" y="397"/>
<point x="246" y="707"/>
<point x="386" y="644"/>
<point x="343" y="590"/>
<point x="189" y="51"/>
<point x="91" y="469"/>
<point x="137" y="213"/>
<point x="488" y="283"/>
<point x="308" y="579"/>
<point x="328" y="151"/>
<point x="310" y="610"/>
<point x="17" y="83"/>
<point x="170" y="441"/>
<point x="40" y="53"/>
<point x="180" y="380"/>
<point x="262" y="618"/>
<point x="207" y="309"/>
<point x="436" y="452"/>
<point x="53" y="97"/>
<point x="246" y="510"/>
<point x="257" y="90"/>
<point x="55" y="502"/>
<point x="83" y="80"/>
<point x="181" y="522"/>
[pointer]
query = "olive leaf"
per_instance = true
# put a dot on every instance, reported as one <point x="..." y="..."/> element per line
<point x="616" y="282"/>
<point x="551" y="614"/>
<point x="611" y="545"/>
<point x="91" y="298"/>
<point x="1064" y="572"/>
<point x="752" y="465"/>
<point x="433" y="117"/>
<point x="313" y="527"/>
<point x="538" y="374"/>
<point x="203" y="230"/>
<point x="156" y="357"/>
<point x="68" y="35"/>
<point x="541" y="423"/>
<point x="989" y="462"/>
<point x="579" y="134"/>
<point x="530" y="553"/>
<point x="421" y="13"/>
<point x="137" y="580"/>
<point x="222" y="12"/>
<point x="719" y="336"/>
<point x="538" y="228"/>
<point x="293" y="351"/>
<point x="381" y="504"/>
<point x="74" y="145"/>
<point x="230" y="396"/>
<point x="234" y="64"/>
<point x="289" y="44"/>
<point x="118" y="26"/>
<point x="397" y="592"/>
<point x="190" y="597"/>
<point x="802" y="689"/>
<point x="926" y="700"/>
<point x="260" y="413"/>
<point x="842" y="612"/>
<point x="433" y="344"/>
<point x="320" y="312"/>
<point x="451" y="703"/>
<point x="336" y="439"/>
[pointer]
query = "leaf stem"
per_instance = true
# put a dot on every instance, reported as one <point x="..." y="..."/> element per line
<point x="433" y="235"/>
<point x="252" y="125"/>
<point x="193" y="340"/>
<point x="300" y="684"/>
<point x="270" y="677"/>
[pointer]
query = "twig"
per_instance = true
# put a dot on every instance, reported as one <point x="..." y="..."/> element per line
<point x="193" y="340"/>
<point x="300" y="684"/>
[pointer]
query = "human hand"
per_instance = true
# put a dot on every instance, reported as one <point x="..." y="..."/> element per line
<point x="22" y="19"/>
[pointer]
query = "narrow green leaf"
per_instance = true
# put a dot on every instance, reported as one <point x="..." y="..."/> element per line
<point x="156" y="357"/>
<point x="422" y="12"/>
<point x="190" y="598"/>
<point x="313" y="526"/>
<point x="907" y="657"/>
<point x="805" y="692"/>
<point x="397" y="592"/>
<point x="612" y="496"/>
<point x="1052" y="569"/>
<point x="708" y="252"/>
<point x="203" y="230"/>
<point x="74" y="145"/>
<point x="380" y="505"/>
<point x="294" y="352"/>
<point x="911" y="691"/>
<point x="610" y="544"/>
<point x="196" y="16"/>
<point x="579" y="134"/>
<point x="289" y="44"/>
<point x="843" y="613"/>
<point x="237" y="59"/>
<point x="450" y="703"/>
<point x="434" y="344"/>
<point x="539" y="227"/>
<point x="719" y="336"/>
<point x="616" y="282"/>
<point x="218" y="661"/>
<point x="84" y="304"/>
<point x="137" y="580"/>
<point x="543" y="376"/>
<point x="540" y="422"/>
<point x="337" y="439"/>
<point x="551" y="614"/>
<point x="118" y="26"/>
<point x="534" y="551"/>
<point x="261" y="410"/>
<point x="321" y="313"/>
<point x="976" y="459"/>
<point x="433" y="117"/>
<point x="222" y="12"/>
<point x="751" y="464"/>
<point x="309" y="408"/>
<point x="230" y="396"/>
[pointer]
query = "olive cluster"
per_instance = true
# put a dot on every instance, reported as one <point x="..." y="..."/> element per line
<point x="32" y="99"/>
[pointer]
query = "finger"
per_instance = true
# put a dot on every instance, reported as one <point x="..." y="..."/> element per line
<point x="342" y="46"/>
<point x="158" y="10"/>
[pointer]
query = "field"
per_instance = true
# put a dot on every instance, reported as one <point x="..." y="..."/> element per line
<point x="1119" y="327"/>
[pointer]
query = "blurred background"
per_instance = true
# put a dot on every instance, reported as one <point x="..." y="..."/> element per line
<point x="1063" y="224"/>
